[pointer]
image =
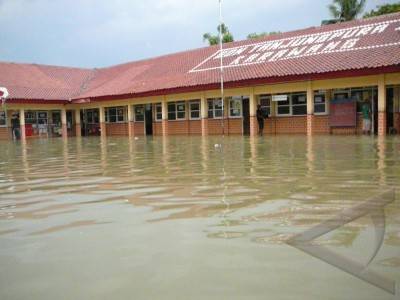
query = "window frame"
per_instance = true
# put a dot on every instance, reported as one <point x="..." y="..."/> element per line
<point x="213" y="101"/>
<point x="108" y="115"/>
<point x="4" y="113"/>
<point x="156" y="106"/>
<point x="175" y="111"/>
<point x="266" y="108"/>
<point x="240" y="100"/>
<point x="191" y="110"/>
<point x="135" y="107"/>
<point x="291" y="105"/>
<point x="323" y="94"/>
<point x="289" y="100"/>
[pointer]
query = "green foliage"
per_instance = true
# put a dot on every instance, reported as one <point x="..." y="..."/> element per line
<point x="383" y="10"/>
<point x="346" y="10"/>
<point x="227" y="37"/>
<point x="255" y="35"/>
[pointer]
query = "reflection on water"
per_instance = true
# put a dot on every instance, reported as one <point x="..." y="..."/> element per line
<point x="178" y="218"/>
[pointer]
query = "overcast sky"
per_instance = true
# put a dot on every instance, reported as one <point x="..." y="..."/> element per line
<point x="98" y="33"/>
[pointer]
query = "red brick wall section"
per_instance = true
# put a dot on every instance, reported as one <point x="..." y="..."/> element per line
<point x="116" y="129"/>
<point x="286" y="125"/>
<point x="381" y="123"/>
<point x="178" y="127"/>
<point x="138" y="128"/>
<point x="195" y="127"/>
<point x="5" y="133"/>
<point x="231" y="126"/>
<point x="235" y="126"/>
<point x="321" y="125"/>
<point x="157" y="128"/>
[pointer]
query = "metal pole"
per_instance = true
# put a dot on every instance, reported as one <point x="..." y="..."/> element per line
<point x="221" y="66"/>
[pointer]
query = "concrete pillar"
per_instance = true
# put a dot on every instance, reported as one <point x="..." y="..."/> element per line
<point x="204" y="115"/>
<point x="64" y="130"/>
<point x="253" y="114"/>
<point x="131" y="125"/>
<point x="102" y="118"/>
<point x="310" y="109"/>
<point x="78" y="129"/>
<point x="381" y="106"/>
<point x="164" y="112"/>
<point x="22" y="123"/>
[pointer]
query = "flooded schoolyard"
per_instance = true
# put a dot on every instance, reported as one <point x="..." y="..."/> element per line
<point x="191" y="217"/>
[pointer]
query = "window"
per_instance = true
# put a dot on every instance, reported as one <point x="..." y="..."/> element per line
<point x="3" y="118"/>
<point x="214" y="108"/>
<point x="42" y="117"/>
<point x="319" y="102"/>
<point x="265" y="102"/>
<point x="139" y="113"/>
<point x="158" y="111"/>
<point x="176" y="110"/>
<point x="115" y="114"/>
<point x="235" y="107"/>
<point x="283" y="107"/>
<point x="299" y="104"/>
<point x="194" y="109"/>
<point x="295" y="105"/>
<point x="30" y="117"/>
<point x="92" y="116"/>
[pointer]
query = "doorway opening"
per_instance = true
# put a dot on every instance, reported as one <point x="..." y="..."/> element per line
<point x="148" y="118"/>
<point x="90" y="122"/>
<point x="246" y="116"/>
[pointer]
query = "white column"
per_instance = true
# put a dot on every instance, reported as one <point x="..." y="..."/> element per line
<point x="22" y="123"/>
<point x="310" y="109"/>
<point x="381" y="106"/>
<point x="164" y="112"/>
<point x="64" y="130"/>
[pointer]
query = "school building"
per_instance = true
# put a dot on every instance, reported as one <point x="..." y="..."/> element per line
<point x="310" y="81"/>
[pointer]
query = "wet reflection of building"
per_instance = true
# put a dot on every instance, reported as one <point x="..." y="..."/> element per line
<point x="310" y="157"/>
<point x="103" y="152"/>
<point x="65" y="156"/>
<point x="205" y="153"/>
<point x="381" y="163"/>
<point x="25" y="162"/>
<point x="253" y="141"/>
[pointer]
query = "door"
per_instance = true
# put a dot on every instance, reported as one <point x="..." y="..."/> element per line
<point x="389" y="109"/>
<point x="148" y="119"/>
<point x="246" y="116"/>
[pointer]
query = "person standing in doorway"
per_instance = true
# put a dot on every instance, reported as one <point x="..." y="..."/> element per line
<point x="366" y="114"/>
<point x="15" y="127"/>
<point x="260" y="119"/>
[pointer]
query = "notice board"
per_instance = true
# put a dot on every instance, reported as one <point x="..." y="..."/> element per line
<point x="343" y="113"/>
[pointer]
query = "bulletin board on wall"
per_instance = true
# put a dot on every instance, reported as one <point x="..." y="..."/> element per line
<point x="343" y="113"/>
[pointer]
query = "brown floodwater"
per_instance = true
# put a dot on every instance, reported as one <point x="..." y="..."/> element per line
<point x="182" y="218"/>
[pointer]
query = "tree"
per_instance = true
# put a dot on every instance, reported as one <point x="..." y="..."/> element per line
<point x="214" y="39"/>
<point x="383" y="10"/>
<point x="346" y="10"/>
<point x="255" y="35"/>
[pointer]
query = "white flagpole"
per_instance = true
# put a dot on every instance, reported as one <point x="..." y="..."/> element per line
<point x="221" y="66"/>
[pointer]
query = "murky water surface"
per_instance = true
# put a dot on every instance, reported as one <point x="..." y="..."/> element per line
<point x="178" y="218"/>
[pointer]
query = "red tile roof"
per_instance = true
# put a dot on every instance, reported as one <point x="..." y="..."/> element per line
<point x="345" y="48"/>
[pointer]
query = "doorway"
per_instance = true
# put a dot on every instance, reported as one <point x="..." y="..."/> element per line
<point x="148" y="119"/>
<point x="389" y="109"/>
<point x="90" y="122"/>
<point x="246" y="116"/>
